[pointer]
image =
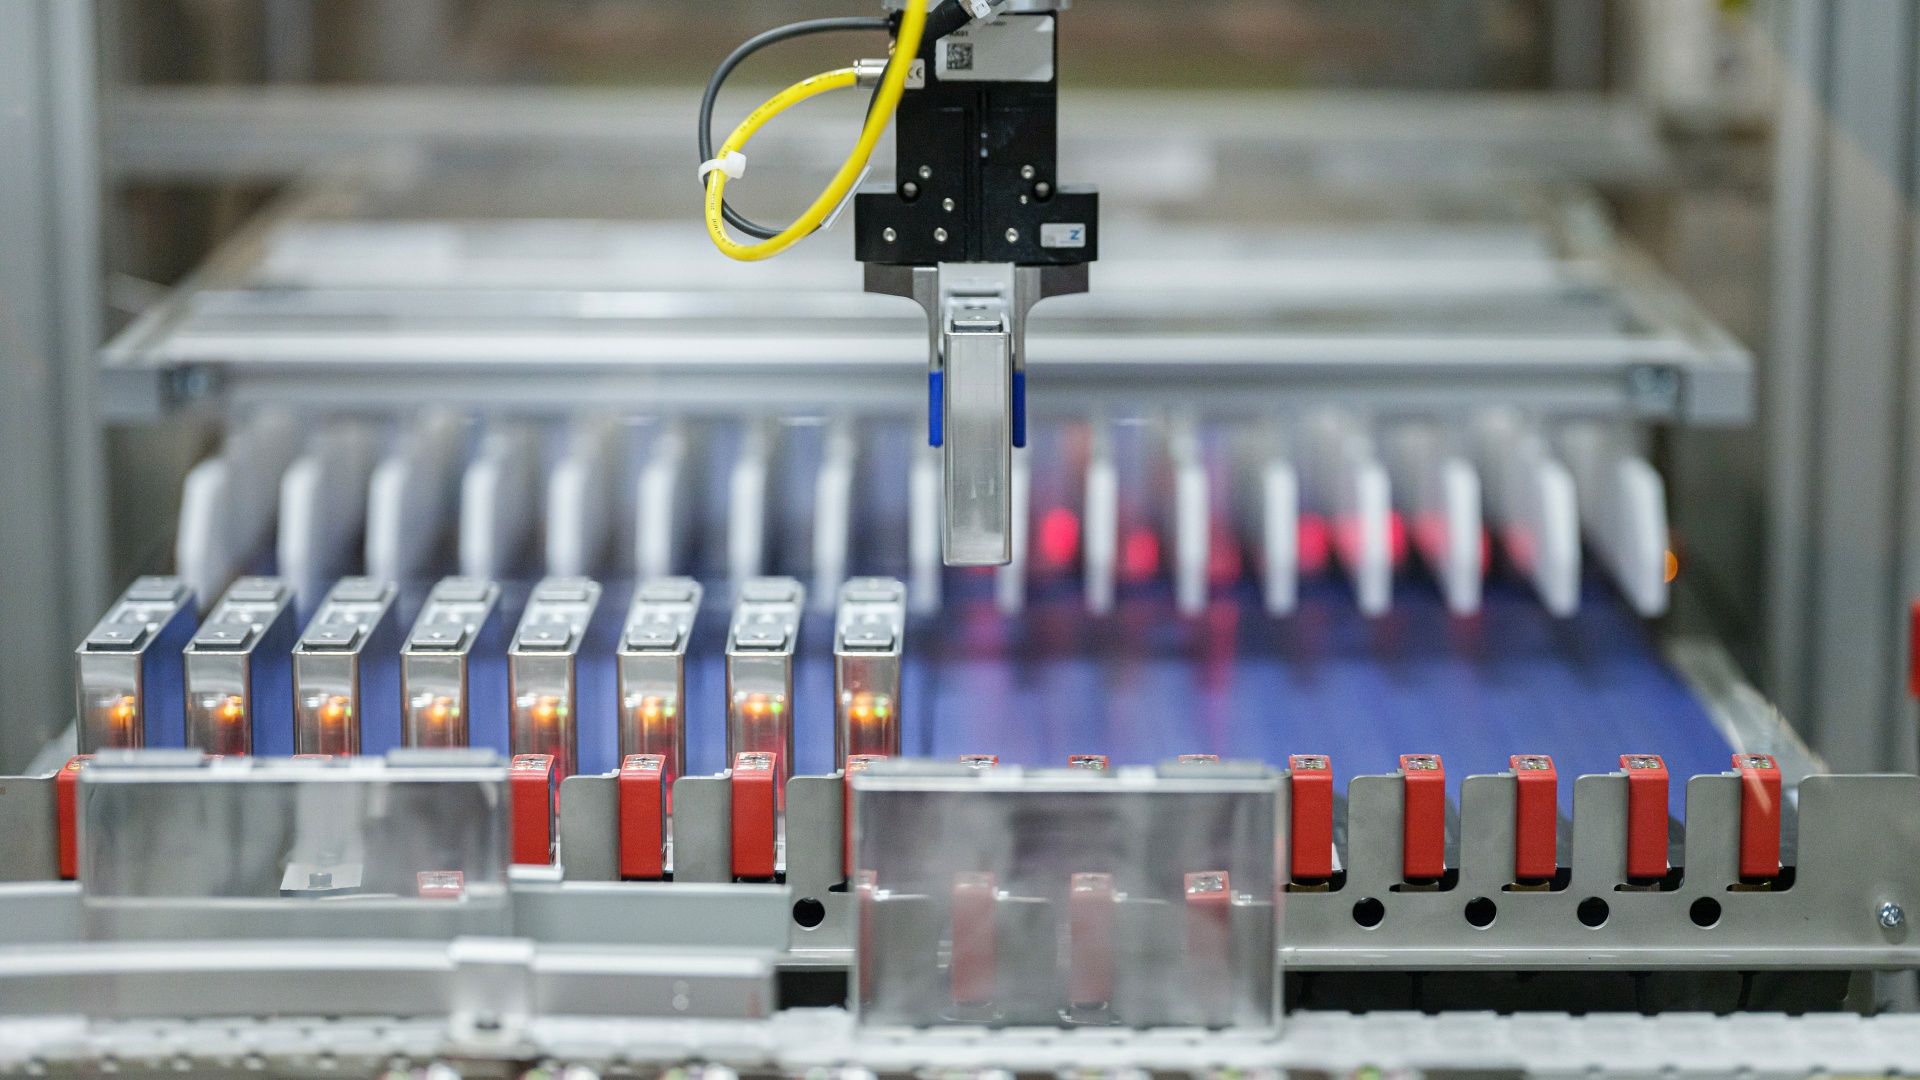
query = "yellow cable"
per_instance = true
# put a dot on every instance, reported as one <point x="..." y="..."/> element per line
<point x="892" y="85"/>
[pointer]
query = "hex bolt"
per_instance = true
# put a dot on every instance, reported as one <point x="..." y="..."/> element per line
<point x="1892" y="917"/>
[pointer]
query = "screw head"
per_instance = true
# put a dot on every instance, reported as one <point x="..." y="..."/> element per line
<point x="947" y="205"/>
<point x="1026" y="172"/>
<point x="889" y="235"/>
<point x="1892" y="917"/>
<point x="939" y="236"/>
<point x="926" y="172"/>
<point x="910" y="189"/>
<point x="1043" y="189"/>
<point x="1013" y="236"/>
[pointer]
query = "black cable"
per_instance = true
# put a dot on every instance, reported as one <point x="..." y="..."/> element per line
<point x="944" y="19"/>
<point x="739" y="56"/>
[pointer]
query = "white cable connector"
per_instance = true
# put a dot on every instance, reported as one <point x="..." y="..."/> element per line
<point x="733" y="163"/>
<point x="981" y="9"/>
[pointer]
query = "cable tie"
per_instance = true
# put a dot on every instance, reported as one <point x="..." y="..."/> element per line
<point x="733" y="163"/>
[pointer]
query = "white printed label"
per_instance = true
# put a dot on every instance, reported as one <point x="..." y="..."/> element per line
<point x="1072" y="235"/>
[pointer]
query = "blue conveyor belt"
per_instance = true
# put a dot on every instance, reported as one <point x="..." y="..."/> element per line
<point x="1145" y="685"/>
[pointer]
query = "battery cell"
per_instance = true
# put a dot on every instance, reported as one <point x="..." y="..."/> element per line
<point x="870" y="627"/>
<point x="130" y="678"/>
<point x="760" y="649"/>
<point x="653" y="675"/>
<point x="453" y="668"/>
<point x="239" y="672"/>
<point x="544" y="671"/>
<point x="346" y="672"/>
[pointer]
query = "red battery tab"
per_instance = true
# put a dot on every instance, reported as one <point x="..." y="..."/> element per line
<point x="1090" y="940"/>
<point x="1209" y="942"/>
<point x="1423" y="824"/>
<point x="440" y="884"/>
<point x="642" y="792"/>
<point x="980" y="761"/>
<point x="530" y="789"/>
<point x="66" y="813"/>
<point x="1536" y="817"/>
<point x="856" y="764"/>
<point x="1759" y="815"/>
<point x="1089" y="762"/>
<point x="1913" y="649"/>
<point x="1646" y="816"/>
<point x="1311" y="837"/>
<point x="975" y="943"/>
<point x="756" y="802"/>
<point x="1198" y="759"/>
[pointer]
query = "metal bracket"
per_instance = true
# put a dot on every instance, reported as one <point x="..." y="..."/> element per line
<point x="976" y="348"/>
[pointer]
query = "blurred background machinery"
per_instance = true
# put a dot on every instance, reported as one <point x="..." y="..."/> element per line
<point x="1488" y="377"/>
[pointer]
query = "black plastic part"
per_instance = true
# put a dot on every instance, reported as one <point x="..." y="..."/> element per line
<point x="991" y="148"/>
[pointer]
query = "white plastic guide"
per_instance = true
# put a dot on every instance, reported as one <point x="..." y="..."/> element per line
<point x="499" y="496"/>
<point x="1192" y="525"/>
<point x="323" y="508"/>
<point x="411" y="496"/>
<point x="833" y="512"/>
<point x="1532" y="499"/>
<point x="1347" y="483"/>
<point x="581" y="498"/>
<point x="1623" y="511"/>
<point x="924" y="503"/>
<point x="1010" y="581"/>
<point x="229" y="502"/>
<point x="747" y="502"/>
<point x="1439" y="493"/>
<point x="660" y="506"/>
<point x="1279" y="532"/>
<point x="1101" y="547"/>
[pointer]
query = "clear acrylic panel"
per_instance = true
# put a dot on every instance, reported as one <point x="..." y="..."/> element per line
<point x="169" y="826"/>
<point x="1136" y="898"/>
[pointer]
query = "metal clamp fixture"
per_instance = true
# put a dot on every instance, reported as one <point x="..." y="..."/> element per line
<point x="239" y="672"/>
<point x="346" y="672"/>
<point x="868" y="634"/>
<point x="130" y="682"/>
<point x="449" y="670"/>
<point x="760" y="648"/>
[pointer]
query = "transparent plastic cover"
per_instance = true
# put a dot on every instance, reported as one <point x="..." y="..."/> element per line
<point x="164" y="826"/>
<point x="1132" y="898"/>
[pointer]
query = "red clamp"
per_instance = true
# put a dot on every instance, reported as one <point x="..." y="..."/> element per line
<point x="642" y="788"/>
<point x="856" y="763"/>
<point x="1913" y="649"/>
<point x="1423" y="826"/>
<point x="1209" y="940"/>
<point x="530" y="789"/>
<point x="1646" y="816"/>
<point x="980" y="761"/>
<point x="1759" y="816"/>
<point x="1090" y="941"/>
<point x="1536" y="817"/>
<point x="975" y="943"/>
<point x="1089" y="762"/>
<point x="1310" y="786"/>
<point x="66" y="813"/>
<point x="756" y="802"/>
